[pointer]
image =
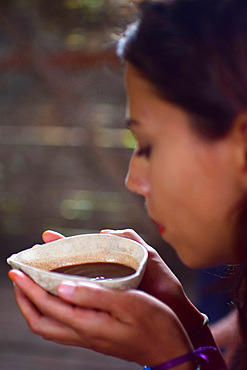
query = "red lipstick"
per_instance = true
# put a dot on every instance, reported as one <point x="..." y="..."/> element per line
<point x="161" y="229"/>
<point x="159" y="226"/>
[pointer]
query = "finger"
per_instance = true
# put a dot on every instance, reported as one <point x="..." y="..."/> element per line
<point x="110" y="315"/>
<point x="93" y="296"/>
<point x="46" y="303"/>
<point x="50" y="236"/>
<point x="89" y="318"/>
<point x="87" y="333"/>
<point x="126" y="233"/>
<point x="41" y="325"/>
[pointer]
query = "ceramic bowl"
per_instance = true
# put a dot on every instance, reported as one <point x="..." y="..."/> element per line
<point x="39" y="260"/>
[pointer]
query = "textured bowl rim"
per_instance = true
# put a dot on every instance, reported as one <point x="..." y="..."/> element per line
<point x="13" y="260"/>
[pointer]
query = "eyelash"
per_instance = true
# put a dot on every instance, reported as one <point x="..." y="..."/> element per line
<point x="145" y="151"/>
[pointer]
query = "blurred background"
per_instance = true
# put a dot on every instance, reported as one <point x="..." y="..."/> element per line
<point x="64" y="151"/>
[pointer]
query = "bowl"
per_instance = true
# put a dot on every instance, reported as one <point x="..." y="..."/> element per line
<point x="37" y="261"/>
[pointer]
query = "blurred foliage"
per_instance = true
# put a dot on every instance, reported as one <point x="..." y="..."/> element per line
<point x="64" y="150"/>
<point x="62" y="107"/>
<point x="59" y="23"/>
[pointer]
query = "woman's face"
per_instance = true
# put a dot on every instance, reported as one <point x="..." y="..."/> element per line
<point x="190" y="184"/>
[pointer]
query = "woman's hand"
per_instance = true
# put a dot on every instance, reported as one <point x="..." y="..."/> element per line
<point x="127" y="324"/>
<point x="160" y="282"/>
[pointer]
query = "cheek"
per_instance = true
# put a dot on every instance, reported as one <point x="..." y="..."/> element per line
<point x="197" y="207"/>
<point x="183" y="194"/>
<point x="170" y="181"/>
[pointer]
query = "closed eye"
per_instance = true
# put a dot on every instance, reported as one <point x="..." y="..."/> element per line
<point x="143" y="151"/>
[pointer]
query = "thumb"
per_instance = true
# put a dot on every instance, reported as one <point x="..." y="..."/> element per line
<point x="50" y="236"/>
<point x="93" y="296"/>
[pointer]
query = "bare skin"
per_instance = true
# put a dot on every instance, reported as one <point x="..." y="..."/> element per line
<point x="193" y="189"/>
<point x="76" y="316"/>
<point x="190" y="184"/>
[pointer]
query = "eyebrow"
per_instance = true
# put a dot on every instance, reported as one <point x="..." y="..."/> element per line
<point x="130" y="122"/>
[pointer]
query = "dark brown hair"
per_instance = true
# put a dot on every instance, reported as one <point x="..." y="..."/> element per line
<point x="194" y="52"/>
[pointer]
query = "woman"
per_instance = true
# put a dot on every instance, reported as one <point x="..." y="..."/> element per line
<point x="187" y="98"/>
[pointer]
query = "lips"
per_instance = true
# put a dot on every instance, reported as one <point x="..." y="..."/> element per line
<point x="161" y="229"/>
<point x="159" y="226"/>
<point x="156" y="223"/>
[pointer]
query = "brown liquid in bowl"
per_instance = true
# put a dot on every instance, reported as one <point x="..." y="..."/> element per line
<point x="97" y="271"/>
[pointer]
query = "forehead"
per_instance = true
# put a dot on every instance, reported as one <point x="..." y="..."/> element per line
<point x="135" y="80"/>
<point x="142" y="97"/>
<point x="154" y="118"/>
<point x="146" y="106"/>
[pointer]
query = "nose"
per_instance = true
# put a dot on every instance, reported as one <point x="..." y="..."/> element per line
<point x="136" y="179"/>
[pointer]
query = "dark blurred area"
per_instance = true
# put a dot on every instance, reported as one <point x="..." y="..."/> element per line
<point x="64" y="149"/>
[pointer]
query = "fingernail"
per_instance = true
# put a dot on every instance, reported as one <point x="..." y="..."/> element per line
<point x="10" y="276"/>
<point x="66" y="290"/>
<point x="107" y="231"/>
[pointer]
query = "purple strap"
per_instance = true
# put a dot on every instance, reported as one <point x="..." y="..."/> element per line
<point x="192" y="356"/>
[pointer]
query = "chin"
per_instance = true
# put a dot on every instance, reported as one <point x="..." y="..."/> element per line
<point x="193" y="263"/>
<point x="201" y="256"/>
<point x="203" y="262"/>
